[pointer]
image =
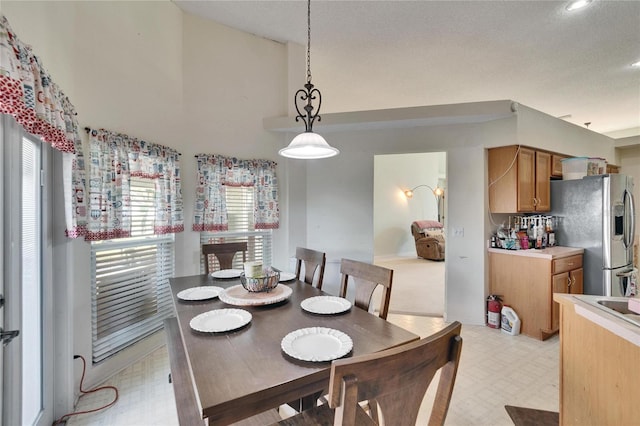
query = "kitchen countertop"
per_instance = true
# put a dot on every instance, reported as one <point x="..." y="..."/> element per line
<point x="587" y="307"/>
<point x="547" y="253"/>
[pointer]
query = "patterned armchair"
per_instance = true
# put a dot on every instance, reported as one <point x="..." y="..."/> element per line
<point x="429" y="239"/>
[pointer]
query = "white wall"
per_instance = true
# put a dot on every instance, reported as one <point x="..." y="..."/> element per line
<point x="231" y="81"/>
<point x="541" y="130"/>
<point x="393" y="212"/>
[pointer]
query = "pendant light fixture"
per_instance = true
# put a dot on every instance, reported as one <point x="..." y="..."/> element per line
<point x="308" y="145"/>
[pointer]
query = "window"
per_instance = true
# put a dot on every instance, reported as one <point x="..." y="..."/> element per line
<point x="240" y="205"/>
<point x="31" y="283"/>
<point x="130" y="284"/>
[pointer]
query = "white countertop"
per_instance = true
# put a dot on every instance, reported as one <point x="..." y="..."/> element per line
<point x="548" y="253"/>
<point x="587" y="307"/>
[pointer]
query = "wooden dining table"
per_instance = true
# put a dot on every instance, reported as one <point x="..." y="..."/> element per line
<point x="243" y="372"/>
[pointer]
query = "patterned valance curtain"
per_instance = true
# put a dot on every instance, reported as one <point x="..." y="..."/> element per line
<point x="28" y="94"/>
<point x="100" y="199"/>
<point x="216" y="172"/>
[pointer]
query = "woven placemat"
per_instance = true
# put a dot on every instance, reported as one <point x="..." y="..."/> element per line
<point x="522" y="416"/>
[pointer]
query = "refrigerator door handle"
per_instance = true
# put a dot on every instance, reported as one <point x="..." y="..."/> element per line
<point x="628" y="200"/>
<point x="626" y="273"/>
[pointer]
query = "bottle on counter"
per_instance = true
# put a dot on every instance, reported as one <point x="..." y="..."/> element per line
<point x="551" y="239"/>
<point x="551" y="233"/>
<point x="536" y="236"/>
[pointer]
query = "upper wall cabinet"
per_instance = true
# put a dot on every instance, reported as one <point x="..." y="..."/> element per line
<point x="519" y="180"/>
<point x="611" y="168"/>
<point x="556" y="165"/>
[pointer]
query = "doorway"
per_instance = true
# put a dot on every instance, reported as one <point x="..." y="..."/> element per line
<point x="394" y="244"/>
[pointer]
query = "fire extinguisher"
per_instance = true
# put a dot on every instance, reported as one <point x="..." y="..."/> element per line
<point x="494" y="308"/>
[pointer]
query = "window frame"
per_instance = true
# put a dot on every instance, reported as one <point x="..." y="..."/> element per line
<point x="154" y="281"/>
<point x="240" y="203"/>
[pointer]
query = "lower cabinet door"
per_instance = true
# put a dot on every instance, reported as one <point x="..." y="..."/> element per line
<point x="576" y="277"/>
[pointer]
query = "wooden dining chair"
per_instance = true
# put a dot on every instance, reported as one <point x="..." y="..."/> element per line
<point x="312" y="260"/>
<point x="366" y="278"/>
<point x="224" y="252"/>
<point x="397" y="379"/>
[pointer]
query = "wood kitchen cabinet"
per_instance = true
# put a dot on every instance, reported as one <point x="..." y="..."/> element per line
<point x="612" y="168"/>
<point x="556" y="165"/>
<point x="567" y="278"/>
<point x="519" y="180"/>
<point x="542" y="196"/>
<point x="527" y="279"/>
<point x="599" y="354"/>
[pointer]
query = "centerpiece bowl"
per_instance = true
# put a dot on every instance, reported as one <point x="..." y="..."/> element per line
<point x="265" y="283"/>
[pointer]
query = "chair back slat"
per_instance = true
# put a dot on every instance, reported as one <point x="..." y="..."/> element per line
<point x="366" y="277"/>
<point x="224" y="252"/>
<point x="397" y="379"/>
<point x="313" y="261"/>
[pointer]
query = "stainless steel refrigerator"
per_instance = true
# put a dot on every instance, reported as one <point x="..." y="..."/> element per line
<point x="597" y="213"/>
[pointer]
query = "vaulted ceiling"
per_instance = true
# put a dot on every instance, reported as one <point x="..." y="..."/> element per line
<point x="386" y="54"/>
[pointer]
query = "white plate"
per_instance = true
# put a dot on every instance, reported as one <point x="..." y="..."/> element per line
<point x="200" y="293"/>
<point x="326" y="305"/>
<point x="238" y="296"/>
<point x="227" y="273"/>
<point x="220" y="320"/>
<point x="316" y="344"/>
<point x="287" y="276"/>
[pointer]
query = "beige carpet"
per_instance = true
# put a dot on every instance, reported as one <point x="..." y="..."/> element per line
<point x="418" y="286"/>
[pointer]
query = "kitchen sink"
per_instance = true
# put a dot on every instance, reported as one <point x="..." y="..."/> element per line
<point x="621" y="306"/>
<point x="620" y="309"/>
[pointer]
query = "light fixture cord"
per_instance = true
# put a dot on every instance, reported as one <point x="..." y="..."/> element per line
<point x="309" y="41"/>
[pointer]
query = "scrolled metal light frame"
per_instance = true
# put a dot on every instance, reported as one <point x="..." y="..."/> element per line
<point x="308" y="145"/>
<point x="308" y="94"/>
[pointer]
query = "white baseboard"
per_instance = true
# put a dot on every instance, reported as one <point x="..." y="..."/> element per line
<point x="391" y="257"/>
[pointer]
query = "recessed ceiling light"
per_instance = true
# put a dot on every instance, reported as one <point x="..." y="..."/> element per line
<point x="577" y="4"/>
<point x="636" y="64"/>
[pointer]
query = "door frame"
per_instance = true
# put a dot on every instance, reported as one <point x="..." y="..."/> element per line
<point x="12" y="367"/>
<point x="12" y="135"/>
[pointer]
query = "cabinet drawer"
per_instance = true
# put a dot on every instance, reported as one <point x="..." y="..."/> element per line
<point x="567" y="264"/>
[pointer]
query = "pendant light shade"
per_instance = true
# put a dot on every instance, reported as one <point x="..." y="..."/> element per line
<point x="308" y="145"/>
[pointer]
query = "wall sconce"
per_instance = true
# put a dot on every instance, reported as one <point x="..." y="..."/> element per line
<point x="438" y="193"/>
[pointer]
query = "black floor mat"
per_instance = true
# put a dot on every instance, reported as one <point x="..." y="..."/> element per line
<point x="531" y="417"/>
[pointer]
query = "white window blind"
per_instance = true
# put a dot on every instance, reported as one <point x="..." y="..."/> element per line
<point x="240" y="204"/>
<point x="130" y="285"/>
<point x="31" y="283"/>
<point x="142" y="206"/>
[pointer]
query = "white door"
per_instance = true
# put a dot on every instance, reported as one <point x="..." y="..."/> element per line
<point x="27" y="394"/>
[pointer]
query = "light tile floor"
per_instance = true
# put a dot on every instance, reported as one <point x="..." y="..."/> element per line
<point x="496" y="369"/>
